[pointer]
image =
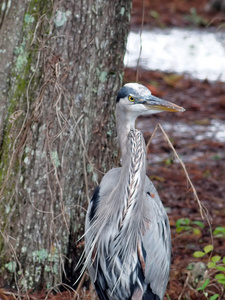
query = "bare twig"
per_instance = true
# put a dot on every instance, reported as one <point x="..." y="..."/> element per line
<point x="140" y="50"/>
<point x="203" y="210"/>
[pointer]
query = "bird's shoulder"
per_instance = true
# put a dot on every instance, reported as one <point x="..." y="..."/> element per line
<point x="108" y="183"/>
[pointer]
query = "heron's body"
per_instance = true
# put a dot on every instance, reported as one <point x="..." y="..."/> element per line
<point x="127" y="240"/>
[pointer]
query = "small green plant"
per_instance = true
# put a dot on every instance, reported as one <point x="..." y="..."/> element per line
<point x="216" y="157"/>
<point x="219" y="232"/>
<point x="195" y="18"/>
<point x="216" y="269"/>
<point x="154" y="14"/>
<point x="169" y="161"/>
<point x="185" y="224"/>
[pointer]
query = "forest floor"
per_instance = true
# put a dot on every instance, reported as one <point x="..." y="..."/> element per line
<point x="203" y="154"/>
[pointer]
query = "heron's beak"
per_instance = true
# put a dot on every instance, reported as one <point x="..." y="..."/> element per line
<point x="154" y="103"/>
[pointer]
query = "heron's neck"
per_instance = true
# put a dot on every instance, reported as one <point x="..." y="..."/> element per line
<point x="124" y="123"/>
<point x="132" y="178"/>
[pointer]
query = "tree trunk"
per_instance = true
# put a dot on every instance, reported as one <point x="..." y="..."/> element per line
<point x="61" y="65"/>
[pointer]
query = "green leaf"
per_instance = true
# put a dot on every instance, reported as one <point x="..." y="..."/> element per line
<point x="199" y="223"/>
<point x="208" y="248"/>
<point x="224" y="260"/>
<point x="198" y="254"/>
<point x="219" y="232"/>
<point x="154" y="14"/>
<point x="216" y="258"/>
<point x="206" y="282"/>
<point x="220" y="276"/>
<point x="168" y="161"/>
<point x="196" y="231"/>
<point x="187" y="227"/>
<point x="179" y="229"/>
<point x="211" y="264"/>
<point x="222" y="281"/>
<point x="214" y="297"/>
<point x="183" y="221"/>
<point x="220" y="268"/>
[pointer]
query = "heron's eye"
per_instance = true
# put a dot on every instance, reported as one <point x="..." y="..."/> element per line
<point x="131" y="99"/>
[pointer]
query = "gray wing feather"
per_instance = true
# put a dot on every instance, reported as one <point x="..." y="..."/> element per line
<point x="108" y="183"/>
<point x="156" y="242"/>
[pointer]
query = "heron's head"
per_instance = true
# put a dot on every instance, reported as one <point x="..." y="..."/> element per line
<point x="136" y="99"/>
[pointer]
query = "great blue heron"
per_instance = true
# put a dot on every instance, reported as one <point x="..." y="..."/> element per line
<point x="127" y="239"/>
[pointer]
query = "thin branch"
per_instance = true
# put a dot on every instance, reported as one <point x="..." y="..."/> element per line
<point x="140" y="50"/>
<point x="203" y="210"/>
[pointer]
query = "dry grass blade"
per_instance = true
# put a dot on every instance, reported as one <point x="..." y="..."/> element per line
<point x="80" y="285"/>
<point x="140" y="50"/>
<point x="203" y="210"/>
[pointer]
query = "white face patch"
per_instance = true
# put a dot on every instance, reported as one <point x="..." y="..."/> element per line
<point x="131" y="106"/>
<point x="133" y="109"/>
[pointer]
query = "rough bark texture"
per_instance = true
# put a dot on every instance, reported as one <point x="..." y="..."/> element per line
<point x="61" y="65"/>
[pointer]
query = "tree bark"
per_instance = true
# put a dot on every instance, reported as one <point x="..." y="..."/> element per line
<point x="61" y="65"/>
